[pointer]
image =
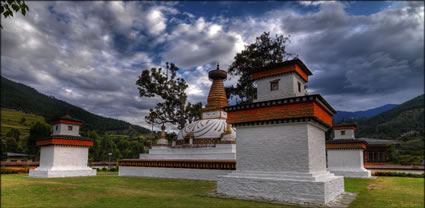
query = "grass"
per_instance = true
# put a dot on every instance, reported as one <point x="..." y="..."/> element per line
<point x="387" y="192"/>
<point x="12" y="119"/>
<point x="112" y="191"/>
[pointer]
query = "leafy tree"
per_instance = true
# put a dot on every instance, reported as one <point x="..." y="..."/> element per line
<point x="23" y="119"/>
<point x="38" y="130"/>
<point x="3" y="148"/>
<point x="14" y="133"/>
<point x="264" y="52"/>
<point x="12" y="144"/>
<point x="94" y="151"/>
<point x="135" y="149"/>
<point x="8" y="6"/>
<point x="174" y="109"/>
<point x="123" y="147"/>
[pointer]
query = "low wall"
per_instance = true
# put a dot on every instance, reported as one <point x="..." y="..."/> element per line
<point x="178" y="169"/>
<point x="175" y="173"/>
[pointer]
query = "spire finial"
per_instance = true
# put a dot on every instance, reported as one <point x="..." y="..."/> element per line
<point x="218" y="66"/>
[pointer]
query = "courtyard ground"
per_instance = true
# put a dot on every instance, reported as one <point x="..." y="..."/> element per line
<point x="112" y="191"/>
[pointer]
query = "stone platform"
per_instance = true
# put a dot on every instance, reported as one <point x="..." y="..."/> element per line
<point x="284" y="187"/>
<point x="46" y="173"/>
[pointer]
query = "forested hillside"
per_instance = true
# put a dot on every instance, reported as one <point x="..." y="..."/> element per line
<point x="405" y="119"/>
<point x="26" y="99"/>
<point x="405" y="124"/>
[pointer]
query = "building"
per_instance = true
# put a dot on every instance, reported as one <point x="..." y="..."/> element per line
<point x="345" y="153"/>
<point x="281" y="141"/>
<point x="376" y="150"/>
<point x="203" y="149"/>
<point x="65" y="152"/>
<point x="18" y="157"/>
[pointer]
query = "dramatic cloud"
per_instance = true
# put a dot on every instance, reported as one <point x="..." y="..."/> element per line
<point x="91" y="53"/>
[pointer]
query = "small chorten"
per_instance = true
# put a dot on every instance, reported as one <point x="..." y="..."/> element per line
<point x="162" y="140"/>
<point x="65" y="152"/>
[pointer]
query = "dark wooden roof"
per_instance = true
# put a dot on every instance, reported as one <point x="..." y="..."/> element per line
<point x="293" y="61"/>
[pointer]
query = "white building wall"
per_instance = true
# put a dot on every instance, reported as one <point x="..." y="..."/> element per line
<point x="288" y="87"/>
<point x="317" y="148"/>
<point x="219" y="152"/>
<point x="349" y="134"/>
<point x="282" y="162"/>
<point x="273" y="148"/>
<point x="62" y="129"/>
<point x="177" y="173"/>
<point x="63" y="161"/>
<point x="347" y="162"/>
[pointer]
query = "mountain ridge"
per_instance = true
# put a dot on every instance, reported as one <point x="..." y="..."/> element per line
<point x="24" y="98"/>
<point x="344" y="115"/>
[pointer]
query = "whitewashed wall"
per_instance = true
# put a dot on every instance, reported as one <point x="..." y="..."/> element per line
<point x="349" y="134"/>
<point x="288" y="87"/>
<point x="62" y="129"/>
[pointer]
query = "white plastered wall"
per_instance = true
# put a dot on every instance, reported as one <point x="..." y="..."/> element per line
<point x="219" y="152"/>
<point x="349" y="134"/>
<point x="288" y="87"/>
<point x="282" y="162"/>
<point x="62" y="129"/>
<point x="63" y="161"/>
<point x="347" y="162"/>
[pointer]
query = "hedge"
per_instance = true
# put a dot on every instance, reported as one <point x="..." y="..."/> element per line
<point x="399" y="174"/>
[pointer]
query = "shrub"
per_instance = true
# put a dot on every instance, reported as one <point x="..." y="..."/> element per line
<point x="104" y="169"/>
<point x="15" y="170"/>
<point x="399" y="174"/>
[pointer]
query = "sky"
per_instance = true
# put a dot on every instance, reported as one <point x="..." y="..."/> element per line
<point x="362" y="54"/>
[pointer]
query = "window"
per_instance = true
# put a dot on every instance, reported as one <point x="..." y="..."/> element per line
<point x="56" y="127"/>
<point x="13" y="160"/>
<point x="274" y="85"/>
<point x="342" y="132"/>
<point x="299" y="87"/>
<point x="23" y="160"/>
<point x="69" y="128"/>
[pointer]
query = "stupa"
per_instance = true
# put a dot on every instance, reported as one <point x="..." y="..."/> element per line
<point x="208" y="144"/>
<point x="345" y="153"/>
<point x="281" y="141"/>
<point x="65" y="152"/>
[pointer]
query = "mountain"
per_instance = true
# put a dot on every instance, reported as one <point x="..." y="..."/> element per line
<point x="341" y="115"/>
<point x="403" y="120"/>
<point x="26" y="99"/>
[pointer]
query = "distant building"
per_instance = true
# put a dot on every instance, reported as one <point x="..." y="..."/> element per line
<point x="18" y="157"/>
<point x="376" y="150"/>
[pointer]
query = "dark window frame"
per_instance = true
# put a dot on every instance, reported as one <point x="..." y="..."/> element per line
<point x="274" y="85"/>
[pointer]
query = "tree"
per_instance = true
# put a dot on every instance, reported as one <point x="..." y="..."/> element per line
<point x="12" y="144"/>
<point x="37" y="131"/>
<point x="264" y="52"/>
<point x="174" y="109"/>
<point x="14" y="133"/>
<point x="94" y="151"/>
<point x="8" y="6"/>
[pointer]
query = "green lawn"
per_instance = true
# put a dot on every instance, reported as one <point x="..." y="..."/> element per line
<point x="114" y="191"/>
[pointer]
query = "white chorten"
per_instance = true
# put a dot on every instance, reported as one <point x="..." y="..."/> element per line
<point x="210" y="138"/>
<point x="281" y="141"/>
<point x="345" y="153"/>
<point x="65" y="152"/>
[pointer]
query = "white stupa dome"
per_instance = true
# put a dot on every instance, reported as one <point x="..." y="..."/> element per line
<point x="208" y="128"/>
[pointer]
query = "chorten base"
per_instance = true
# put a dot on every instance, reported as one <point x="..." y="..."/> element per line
<point x="353" y="173"/>
<point x="283" y="187"/>
<point x="58" y="173"/>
